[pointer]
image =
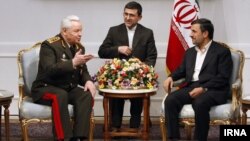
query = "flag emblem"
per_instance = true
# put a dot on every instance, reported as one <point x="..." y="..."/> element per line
<point x="184" y="12"/>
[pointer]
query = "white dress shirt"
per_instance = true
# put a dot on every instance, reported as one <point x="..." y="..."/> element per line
<point x="131" y="33"/>
<point x="200" y="57"/>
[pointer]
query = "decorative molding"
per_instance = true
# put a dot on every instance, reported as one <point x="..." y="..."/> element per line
<point x="10" y="49"/>
<point x="161" y="56"/>
<point x="100" y="98"/>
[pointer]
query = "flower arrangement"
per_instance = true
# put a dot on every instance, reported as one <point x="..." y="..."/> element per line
<point x="126" y="74"/>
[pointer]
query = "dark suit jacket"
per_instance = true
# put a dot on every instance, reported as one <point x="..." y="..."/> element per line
<point x="215" y="72"/>
<point x="143" y="44"/>
<point x="56" y="68"/>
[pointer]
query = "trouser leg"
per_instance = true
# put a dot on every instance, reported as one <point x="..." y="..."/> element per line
<point x="135" y="111"/>
<point x="202" y="106"/>
<point x="173" y="105"/>
<point x="117" y="106"/>
<point x="82" y="102"/>
<point x="60" y="114"/>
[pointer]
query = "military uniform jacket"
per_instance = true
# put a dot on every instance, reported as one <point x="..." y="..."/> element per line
<point x="56" y="69"/>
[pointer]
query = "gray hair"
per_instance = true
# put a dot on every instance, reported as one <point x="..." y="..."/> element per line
<point x="66" y="22"/>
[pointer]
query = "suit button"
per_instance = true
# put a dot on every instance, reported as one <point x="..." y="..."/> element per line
<point x="73" y="76"/>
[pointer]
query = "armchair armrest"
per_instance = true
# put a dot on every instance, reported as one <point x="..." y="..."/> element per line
<point x="236" y="84"/>
<point x="236" y="94"/>
<point x="175" y="84"/>
<point x="21" y="89"/>
<point x="163" y="105"/>
<point x="20" y="81"/>
<point x="178" y="82"/>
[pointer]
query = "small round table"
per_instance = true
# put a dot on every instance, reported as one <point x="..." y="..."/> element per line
<point x="127" y="94"/>
<point x="245" y="106"/>
<point x="5" y="100"/>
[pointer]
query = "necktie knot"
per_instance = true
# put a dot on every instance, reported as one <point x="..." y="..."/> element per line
<point x="73" y="50"/>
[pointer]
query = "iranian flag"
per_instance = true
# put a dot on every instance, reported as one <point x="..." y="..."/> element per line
<point x="184" y="12"/>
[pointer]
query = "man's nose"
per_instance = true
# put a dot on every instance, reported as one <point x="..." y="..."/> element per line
<point x="191" y="35"/>
<point x="128" y="17"/>
<point x="80" y="34"/>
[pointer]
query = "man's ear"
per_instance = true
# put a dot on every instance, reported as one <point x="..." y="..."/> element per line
<point x="64" y="29"/>
<point x="205" y="34"/>
<point x="140" y="17"/>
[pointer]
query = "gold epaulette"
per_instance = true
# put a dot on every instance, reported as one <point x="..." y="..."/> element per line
<point x="53" y="39"/>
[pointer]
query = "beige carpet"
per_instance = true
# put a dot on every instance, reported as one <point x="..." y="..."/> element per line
<point x="43" y="132"/>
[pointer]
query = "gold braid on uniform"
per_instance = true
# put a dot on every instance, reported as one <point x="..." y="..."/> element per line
<point x="53" y="39"/>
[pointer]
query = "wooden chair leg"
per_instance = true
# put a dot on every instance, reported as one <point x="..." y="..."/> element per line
<point x="92" y="126"/>
<point x="24" y="125"/>
<point x="244" y="115"/>
<point x="188" y="131"/>
<point x="163" y="129"/>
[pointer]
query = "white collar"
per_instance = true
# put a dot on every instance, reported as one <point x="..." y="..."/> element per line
<point x="132" y="29"/>
<point x="205" y="49"/>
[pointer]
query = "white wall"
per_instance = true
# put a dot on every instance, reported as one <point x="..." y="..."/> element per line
<point x="25" y="22"/>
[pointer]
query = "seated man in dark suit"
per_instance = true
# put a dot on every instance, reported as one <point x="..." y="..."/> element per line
<point x="207" y="68"/>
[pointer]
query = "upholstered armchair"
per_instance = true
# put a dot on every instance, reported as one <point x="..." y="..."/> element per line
<point x="30" y="112"/>
<point x="228" y="113"/>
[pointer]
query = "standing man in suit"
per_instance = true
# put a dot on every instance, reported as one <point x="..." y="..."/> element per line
<point x="62" y="69"/>
<point x="124" y="41"/>
<point x="207" y="69"/>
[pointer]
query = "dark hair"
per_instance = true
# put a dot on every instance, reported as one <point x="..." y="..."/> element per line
<point x="134" y="5"/>
<point x="205" y="25"/>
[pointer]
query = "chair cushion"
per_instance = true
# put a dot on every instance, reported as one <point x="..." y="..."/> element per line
<point x="217" y="112"/>
<point x="246" y="98"/>
<point x="222" y="111"/>
<point x="27" y="108"/>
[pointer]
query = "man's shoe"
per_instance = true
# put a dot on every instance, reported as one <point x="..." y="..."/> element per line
<point x="74" y="139"/>
<point x="115" y="129"/>
<point x="83" y="138"/>
<point x="78" y="138"/>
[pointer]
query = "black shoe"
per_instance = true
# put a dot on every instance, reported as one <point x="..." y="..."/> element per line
<point x="134" y="125"/>
<point x="117" y="138"/>
<point x="115" y="129"/>
<point x="82" y="138"/>
<point x="78" y="138"/>
<point x="173" y="139"/>
<point x="73" y="139"/>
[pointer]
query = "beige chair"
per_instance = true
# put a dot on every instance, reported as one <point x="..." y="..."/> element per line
<point x="228" y="113"/>
<point x="30" y="112"/>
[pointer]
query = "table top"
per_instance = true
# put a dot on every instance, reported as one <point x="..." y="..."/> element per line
<point x="4" y="94"/>
<point x="128" y="91"/>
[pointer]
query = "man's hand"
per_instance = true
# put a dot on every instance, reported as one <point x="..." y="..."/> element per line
<point x="80" y="59"/>
<point x="89" y="85"/>
<point x="168" y="84"/>
<point x="124" y="50"/>
<point x="196" y="92"/>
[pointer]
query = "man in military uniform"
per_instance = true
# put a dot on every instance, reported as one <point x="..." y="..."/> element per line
<point x="63" y="79"/>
